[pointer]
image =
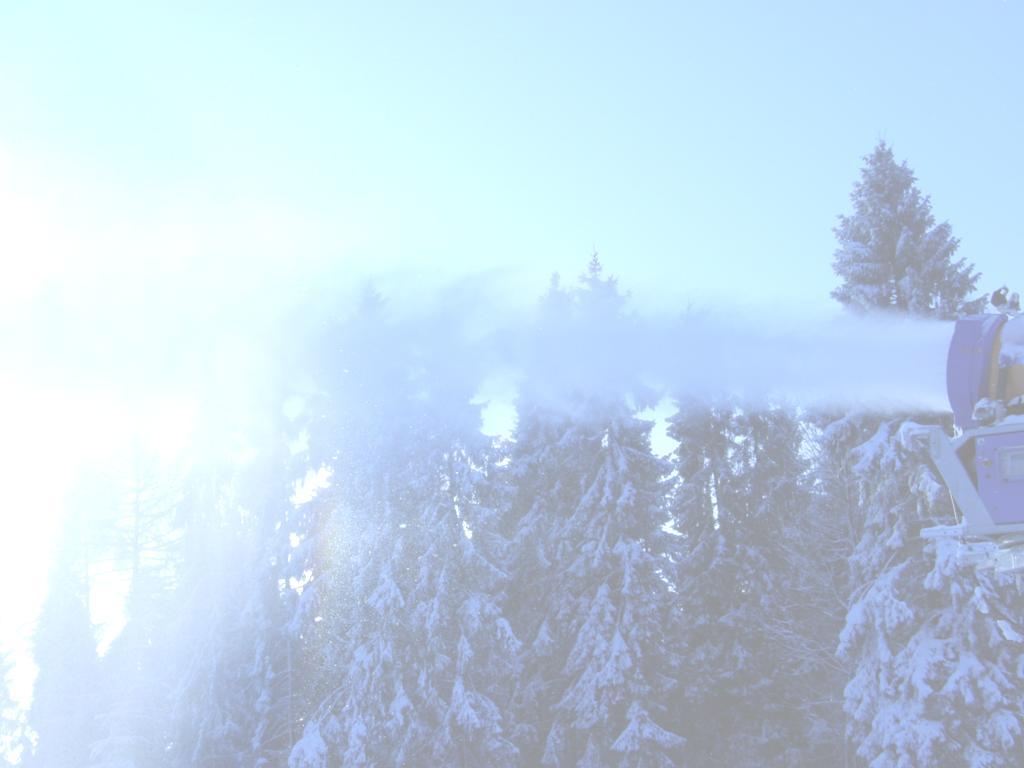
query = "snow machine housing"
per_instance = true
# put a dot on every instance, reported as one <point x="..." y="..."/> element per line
<point x="983" y="467"/>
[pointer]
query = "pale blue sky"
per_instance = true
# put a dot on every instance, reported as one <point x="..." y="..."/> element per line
<point x="707" y="147"/>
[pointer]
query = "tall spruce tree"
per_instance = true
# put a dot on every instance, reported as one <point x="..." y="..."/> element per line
<point x="211" y="705"/>
<point x="826" y="540"/>
<point x="229" y="645"/>
<point x="589" y="597"/>
<point x="740" y="498"/>
<point x="926" y="640"/>
<point x="892" y="255"/>
<point x="63" y="709"/>
<point x="134" y="688"/>
<point x="934" y="645"/>
<point x="133" y="694"/>
<point x="414" y="645"/>
<point x="11" y="725"/>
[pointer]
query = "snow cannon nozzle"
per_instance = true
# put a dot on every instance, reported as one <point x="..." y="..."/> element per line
<point x="983" y="467"/>
<point x="985" y="369"/>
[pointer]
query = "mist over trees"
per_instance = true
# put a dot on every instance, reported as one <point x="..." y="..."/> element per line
<point x="377" y="582"/>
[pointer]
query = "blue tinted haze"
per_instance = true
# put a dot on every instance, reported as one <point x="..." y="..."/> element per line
<point x="167" y="165"/>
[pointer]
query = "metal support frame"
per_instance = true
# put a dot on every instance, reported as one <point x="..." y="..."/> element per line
<point x="978" y="522"/>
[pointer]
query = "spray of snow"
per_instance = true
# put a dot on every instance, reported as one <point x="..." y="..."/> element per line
<point x="880" y="362"/>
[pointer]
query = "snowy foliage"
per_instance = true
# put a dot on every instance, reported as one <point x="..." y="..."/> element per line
<point x="930" y="644"/>
<point x="11" y="719"/>
<point x="591" y="601"/>
<point x="892" y="255"/>
<point x="64" y="699"/>
<point x="408" y="590"/>
<point x="739" y="499"/>
<point x="934" y="644"/>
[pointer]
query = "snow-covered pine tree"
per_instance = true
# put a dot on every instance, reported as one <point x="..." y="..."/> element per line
<point x="11" y="725"/>
<point x="355" y="365"/>
<point x="62" y="715"/>
<point x="740" y="498"/>
<point x="892" y="255"/>
<point x="276" y="682"/>
<point x="211" y="715"/>
<point x="139" y="545"/>
<point x="824" y="542"/>
<point x="133" y="693"/>
<point x="228" y="642"/>
<point x="417" y="653"/>
<point x="797" y="616"/>
<point x="589" y="597"/>
<point x="935" y="645"/>
<point x="914" y="610"/>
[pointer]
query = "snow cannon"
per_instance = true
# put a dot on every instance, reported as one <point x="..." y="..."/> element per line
<point x="983" y="466"/>
<point x="985" y="369"/>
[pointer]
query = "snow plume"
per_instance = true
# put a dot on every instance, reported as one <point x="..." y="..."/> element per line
<point x="492" y="333"/>
<point x="876" y="362"/>
<point x="879" y="362"/>
<point x="489" y="334"/>
<point x="492" y="336"/>
<point x="574" y="342"/>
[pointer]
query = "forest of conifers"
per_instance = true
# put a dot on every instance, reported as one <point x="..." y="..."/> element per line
<point x="380" y="583"/>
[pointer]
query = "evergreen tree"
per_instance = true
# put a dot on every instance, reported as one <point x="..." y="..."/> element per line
<point x="740" y="499"/>
<point x="926" y="639"/>
<point x="11" y="725"/>
<point x="139" y="545"/>
<point x="229" y="645"/>
<point x="892" y="255"/>
<point x="63" y="709"/>
<point x="589" y="596"/>
<point x="825" y="541"/>
<point x="411" y="630"/>
<point x="934" y="644"/>
<point x="210" y="719"/>
<point x="133" y="693"/>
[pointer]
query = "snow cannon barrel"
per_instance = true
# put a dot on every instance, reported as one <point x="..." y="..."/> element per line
<point x="985" y="369"/>
<point x="983" y="467"/>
